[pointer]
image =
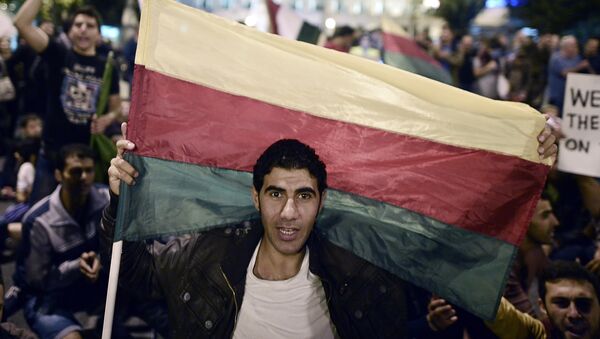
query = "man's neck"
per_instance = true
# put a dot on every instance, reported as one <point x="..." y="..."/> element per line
<point x="528" y="244"/>
<point x="271" y="265"/>
<point x="85" y="52"/>
<point x="72" y="204"/>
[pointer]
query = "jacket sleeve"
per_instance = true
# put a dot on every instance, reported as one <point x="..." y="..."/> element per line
<point x="144" y="268"/>
<point x="40" y="273"/>
<point x="513" y="324"/>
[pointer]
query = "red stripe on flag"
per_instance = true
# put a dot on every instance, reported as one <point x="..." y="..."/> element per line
<point x="476" y="190"/>
<point x="398" y="44"/>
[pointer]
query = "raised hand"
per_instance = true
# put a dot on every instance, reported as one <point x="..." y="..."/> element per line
<point x="121" y="170"/>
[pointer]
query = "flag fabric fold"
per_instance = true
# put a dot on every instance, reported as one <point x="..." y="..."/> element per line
<point x="400" y="50"/>
<point x="432" y="183"/>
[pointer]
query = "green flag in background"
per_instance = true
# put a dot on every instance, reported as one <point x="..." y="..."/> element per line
<point x="100" y="143"/>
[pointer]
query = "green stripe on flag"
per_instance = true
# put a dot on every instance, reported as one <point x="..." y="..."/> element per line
<point x="177" y="198"/>
<point x="466" y="267"/>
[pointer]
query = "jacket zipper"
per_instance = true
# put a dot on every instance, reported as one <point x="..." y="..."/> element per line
<point x="234" y="300"/>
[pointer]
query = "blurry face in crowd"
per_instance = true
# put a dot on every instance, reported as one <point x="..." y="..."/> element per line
<point x="288" y="203"/>
<point x="466" y="42"/>
<point x="591" y="47"/>
<point x="541" y="228"/>
<point x="84" y="34"/>
<point x="569" y="48"/>
<point x="33" y="129"/>
<point x="77" y="177"/>
<point x="573" y="309"/>
<point x="447" y="35"/>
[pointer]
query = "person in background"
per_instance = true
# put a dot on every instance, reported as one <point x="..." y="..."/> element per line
<point x="486" y="69"/>
<point x="58" y="266"/>
<point x="30" y="130"/>
<point x="531" y="260"/>
<point x="592" y="55"/>
<point x="74" y="84"/>
<point x="443" y="51"/>
<point x="570" y="297"/>
<point x="567" y="60"/>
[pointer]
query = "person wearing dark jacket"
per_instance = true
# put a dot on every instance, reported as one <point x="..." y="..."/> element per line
<point x="269" y="278"/>
<point x="272" y="278"/>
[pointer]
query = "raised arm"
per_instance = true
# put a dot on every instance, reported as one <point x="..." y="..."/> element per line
<point x="35" y="37"/>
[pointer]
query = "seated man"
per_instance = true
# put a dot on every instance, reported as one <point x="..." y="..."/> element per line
<point x="59" y="264"/>
<point x="570" y="297"/>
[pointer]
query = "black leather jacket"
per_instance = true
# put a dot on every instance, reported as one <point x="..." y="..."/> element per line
<point x="202" y="279"/>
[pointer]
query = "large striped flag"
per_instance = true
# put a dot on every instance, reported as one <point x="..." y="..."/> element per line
<point x="432" y="183"/>
<point x="400" y="50"/>
<point x="287" y="23"/>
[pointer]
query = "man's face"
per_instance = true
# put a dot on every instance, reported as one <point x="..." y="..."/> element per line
<point x="573" y="309"/>
<point x="84" y="33"/>
<point x="541" y="228"/>
<point x="288" y="202"/>
<point x="33" y="129"/>
<point x="446" y="35"/>
<point x="78" y="176"/>
<point x="570" y="49"/>
<point x="591" y="47"/>
<point x="467" y="42"/>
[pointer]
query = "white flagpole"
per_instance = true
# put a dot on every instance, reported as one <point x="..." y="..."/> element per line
<point x="111" y="294"/>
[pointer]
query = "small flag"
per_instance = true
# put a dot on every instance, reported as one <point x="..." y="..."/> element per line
<point x="401" y="51"/>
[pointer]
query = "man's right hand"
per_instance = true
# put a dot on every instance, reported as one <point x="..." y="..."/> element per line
<point x="441" y="314"/>
<point x="121" y="170"/>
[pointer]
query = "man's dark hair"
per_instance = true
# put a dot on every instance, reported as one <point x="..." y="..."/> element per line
<point x="79" y="151"/>
<point x="545" y="196"/>
<point x="86" y="10"/>
<point x="343" y="31"/>
<point x="289" y="154"/>
<point x="570" y="270"/>
<point x="26" y="119"/>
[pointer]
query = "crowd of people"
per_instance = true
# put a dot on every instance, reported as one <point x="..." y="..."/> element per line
<point x="60" y="223"/>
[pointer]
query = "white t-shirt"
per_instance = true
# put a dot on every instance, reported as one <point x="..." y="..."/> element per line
<point x="292" y="308"/>
<point x="25" y="177"/>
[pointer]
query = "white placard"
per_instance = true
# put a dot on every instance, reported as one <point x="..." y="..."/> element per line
<point x="579" y="152"/>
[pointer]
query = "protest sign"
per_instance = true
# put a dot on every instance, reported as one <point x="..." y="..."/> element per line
<point x="580" y="149"/>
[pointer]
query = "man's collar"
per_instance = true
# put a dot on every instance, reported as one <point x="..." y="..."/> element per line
<point x="97" y="200"/>
<point x="235" y="265"/>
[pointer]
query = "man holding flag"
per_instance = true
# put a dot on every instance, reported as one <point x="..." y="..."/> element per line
<point x="271" y="278"/>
